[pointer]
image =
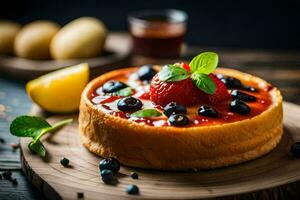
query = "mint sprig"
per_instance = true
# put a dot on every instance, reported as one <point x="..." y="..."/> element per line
<point x="172" y="73"/>
<point x="34" y="127"/>
<point x="200" y="66"/>
<point x="146" y="113"/>
<point x="204" y="63"/>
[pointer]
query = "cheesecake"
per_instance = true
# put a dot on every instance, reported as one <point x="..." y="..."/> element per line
<point x="180" y="116"/>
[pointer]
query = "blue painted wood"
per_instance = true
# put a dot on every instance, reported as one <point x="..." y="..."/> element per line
<point x="13" y="102"/>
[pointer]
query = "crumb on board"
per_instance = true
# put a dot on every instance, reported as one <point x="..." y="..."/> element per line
<point x="14" y="146"/>
<point x="80" y="195"/>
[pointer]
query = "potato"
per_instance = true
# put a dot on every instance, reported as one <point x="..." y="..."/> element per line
<point x="33" y="41"/>
<point x="8" y="32"/>
<point x="81" y="38"/>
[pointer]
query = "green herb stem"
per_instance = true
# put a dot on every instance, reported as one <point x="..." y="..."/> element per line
<point x="61" y="123"/>
<point x="53" y="127"/>
<point x="34" y="127"/>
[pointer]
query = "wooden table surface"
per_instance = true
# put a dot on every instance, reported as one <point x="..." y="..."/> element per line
<point x="281" y="68"/>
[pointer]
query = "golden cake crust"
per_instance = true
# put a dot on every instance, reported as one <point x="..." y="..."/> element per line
<point x="179" y="148"/>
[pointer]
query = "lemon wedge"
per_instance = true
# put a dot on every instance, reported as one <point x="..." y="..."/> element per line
<point x="59" y="91"/>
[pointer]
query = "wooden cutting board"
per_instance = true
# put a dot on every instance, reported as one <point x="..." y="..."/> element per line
<point x="272" y="176"/>
<point x="117" y="49"/>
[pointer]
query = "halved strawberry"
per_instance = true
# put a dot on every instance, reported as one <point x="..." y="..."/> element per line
<point x="221" y="94"/>
<point x="184" y="92"/>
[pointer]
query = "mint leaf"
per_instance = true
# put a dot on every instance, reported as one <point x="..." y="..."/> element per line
<point x="204" y="82"/>
<point x="124" y="92"/>
<point x="204" y="63"/>
<point x="35" y="127"/>
<point x="37" y="147"/>
<point x="146" y="113"/>
<point x="172" y="73"/>
<point x="28" y="126"/>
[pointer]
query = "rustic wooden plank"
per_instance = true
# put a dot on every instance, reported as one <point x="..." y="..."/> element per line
<point x="245" y="59"/>
<point x="250" y="55"/>
<point x="281" y="75"/>
<point x="13" y="102"/>
<point x="24" y="190"/>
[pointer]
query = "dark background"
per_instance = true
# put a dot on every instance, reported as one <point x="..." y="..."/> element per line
<point x="248" y="24"/>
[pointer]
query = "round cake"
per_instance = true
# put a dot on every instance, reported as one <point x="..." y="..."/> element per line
<point x="180" y="116"/>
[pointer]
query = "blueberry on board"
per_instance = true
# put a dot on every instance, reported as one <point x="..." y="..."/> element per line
<point x="132" y="189"/>
<point x="7" y="175"/>
<point x="235" y="94"/>
<point x="110" y="164"/>
<point x="14" y="181"/>
<point x="295" y="149"/>
<point x="134" y="175"/>
<point x="127" y="104"/>
<point x="208" y="111"/>
<point x="15" y="146"/>
<point x="107" y="175"/>
<point x="146" y="72"/>
<point x="113" y="86"/>
<point x="174" y="108"/>
<point x="178" y="120"/>
<point x="239" y="107"/>
<point x="64" y="162"/>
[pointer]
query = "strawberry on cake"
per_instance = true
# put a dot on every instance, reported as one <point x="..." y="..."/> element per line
<point x="180" y="116"/>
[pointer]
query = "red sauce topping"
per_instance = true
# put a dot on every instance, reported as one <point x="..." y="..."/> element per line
<point x="143" y="95"/>
<point x="225" y="116"/>
<point x="110" y="99"/>
<point x="159" y="107"/>
<point x="147" y="121"/>
<point x="270" y="87"/>
<point x="120" y="114"/>
<point x="106" y="107"/>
